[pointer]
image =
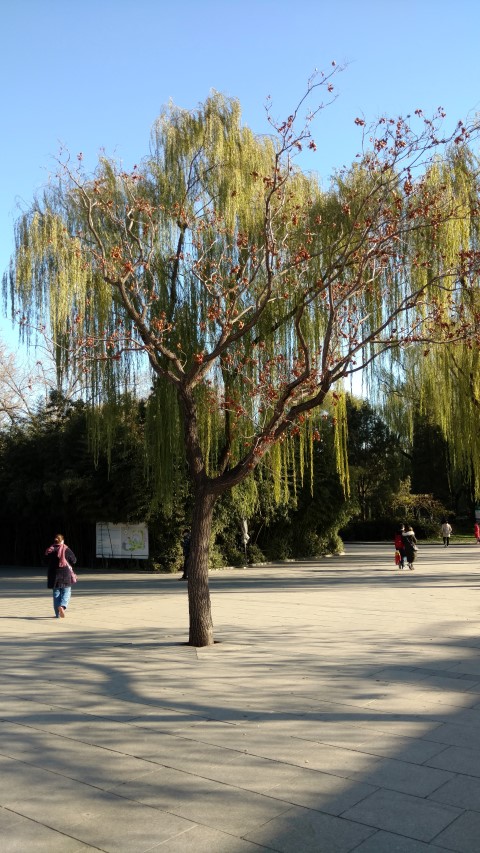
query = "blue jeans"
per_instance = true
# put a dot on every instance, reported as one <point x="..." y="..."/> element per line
<point x="61" y="597"/>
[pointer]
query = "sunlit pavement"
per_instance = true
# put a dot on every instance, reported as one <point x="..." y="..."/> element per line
<point x="338" y="711"/>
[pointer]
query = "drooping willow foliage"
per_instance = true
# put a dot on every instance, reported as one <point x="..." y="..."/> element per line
<point x="443" y="381"/>
<point x="444" y="386"/>
<point x="249" y="291"/>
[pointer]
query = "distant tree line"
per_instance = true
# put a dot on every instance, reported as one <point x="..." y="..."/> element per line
<point x="53" y="480"/>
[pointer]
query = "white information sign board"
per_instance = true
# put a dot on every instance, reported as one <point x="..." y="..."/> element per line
<point x="122" y="541"/>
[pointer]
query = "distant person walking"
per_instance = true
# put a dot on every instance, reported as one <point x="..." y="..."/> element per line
<point x="410" y="545"/>
<point x="476" y="531"/>
<point x="446" y="533"/>
<point x="60" y="574"/>
<point x="400" y="546"/>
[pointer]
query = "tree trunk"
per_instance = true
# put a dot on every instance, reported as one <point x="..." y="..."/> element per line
<point x="201" y="625"/>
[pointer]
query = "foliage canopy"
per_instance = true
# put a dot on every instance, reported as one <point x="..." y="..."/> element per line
<point x="252" y="292"/>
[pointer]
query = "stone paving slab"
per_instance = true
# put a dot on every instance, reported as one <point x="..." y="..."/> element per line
<point x="463" y="835"/>
<point x="462" y="791"/>
<point x="403" y="814"/>
<point x="387" y="842"/>
<point x="458" y="760"/>
<point x="338" y="712"/>
<point x="310" y="831"/>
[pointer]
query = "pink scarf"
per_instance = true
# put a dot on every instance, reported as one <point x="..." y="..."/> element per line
<point x="62" y="560"/>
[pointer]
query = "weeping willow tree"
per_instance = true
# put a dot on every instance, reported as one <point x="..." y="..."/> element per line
<point x="251" y="293"/>
<point x="446" y="390"/>
<point x="443" y="382"/>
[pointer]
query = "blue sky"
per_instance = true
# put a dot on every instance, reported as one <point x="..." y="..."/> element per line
<point x="95" y="74"/>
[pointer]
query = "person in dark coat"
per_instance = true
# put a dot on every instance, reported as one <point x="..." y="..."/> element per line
<point x="60" y="559"/>
<point x="410" y="544"/>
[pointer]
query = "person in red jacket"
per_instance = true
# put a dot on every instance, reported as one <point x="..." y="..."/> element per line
<point x="476" y="531"/>
<point x="400" y="546"/>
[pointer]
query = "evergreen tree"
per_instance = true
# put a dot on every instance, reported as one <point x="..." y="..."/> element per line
<point x="376" y="462"/>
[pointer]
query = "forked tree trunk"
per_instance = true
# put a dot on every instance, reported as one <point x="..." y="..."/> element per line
<point x="201" y="625"/>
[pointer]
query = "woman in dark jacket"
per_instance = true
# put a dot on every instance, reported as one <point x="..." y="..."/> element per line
<point x="410" y="544"/>
<point x="60" y="560"/>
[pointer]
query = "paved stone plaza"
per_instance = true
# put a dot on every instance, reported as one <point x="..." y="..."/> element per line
<point x="339" y="711"/>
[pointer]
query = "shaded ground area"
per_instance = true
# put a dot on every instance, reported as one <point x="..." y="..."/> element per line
<point x="339" y="712"/>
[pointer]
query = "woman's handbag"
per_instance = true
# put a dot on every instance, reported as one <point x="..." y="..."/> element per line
<point x="73" y="577"/>
<point x="397" y="558"/>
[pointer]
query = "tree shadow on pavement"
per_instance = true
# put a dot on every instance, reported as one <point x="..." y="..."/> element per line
<point x="295" y="735"/>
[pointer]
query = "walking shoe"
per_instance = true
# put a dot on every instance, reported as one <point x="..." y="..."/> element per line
<point x="61" y="612"/>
